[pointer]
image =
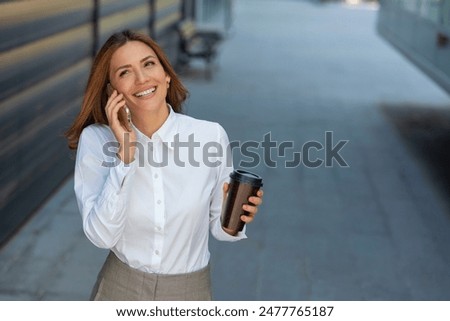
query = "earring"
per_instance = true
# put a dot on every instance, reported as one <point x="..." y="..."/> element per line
<point x="168" y="83"/>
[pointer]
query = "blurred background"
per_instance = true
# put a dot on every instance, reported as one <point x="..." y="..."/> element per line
<point x="375" y="74"/>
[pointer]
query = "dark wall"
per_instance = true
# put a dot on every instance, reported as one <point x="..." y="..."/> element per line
<point x="46" y="50"/>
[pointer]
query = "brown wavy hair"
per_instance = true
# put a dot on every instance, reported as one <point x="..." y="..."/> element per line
<point x="95" y="96"/>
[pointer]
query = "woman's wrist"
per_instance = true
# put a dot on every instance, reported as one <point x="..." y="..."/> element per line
<point x="126" y="155"/>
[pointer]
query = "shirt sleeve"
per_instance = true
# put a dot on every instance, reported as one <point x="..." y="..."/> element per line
<point x="223" y="175"/>
<point x="101" y="185"/>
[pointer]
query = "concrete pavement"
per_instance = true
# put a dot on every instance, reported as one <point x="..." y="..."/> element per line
<point x="376" y="230"/>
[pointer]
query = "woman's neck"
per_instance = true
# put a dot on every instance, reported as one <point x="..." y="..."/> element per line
<point x="148" y="122"/>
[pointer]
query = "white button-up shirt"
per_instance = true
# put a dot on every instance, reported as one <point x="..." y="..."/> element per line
<point x="155" y="213"/>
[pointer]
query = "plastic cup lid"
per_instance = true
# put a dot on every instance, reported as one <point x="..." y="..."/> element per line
<point x="246" y="177"/>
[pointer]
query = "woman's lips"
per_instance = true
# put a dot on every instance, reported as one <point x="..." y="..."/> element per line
<point x="145" y="92"/>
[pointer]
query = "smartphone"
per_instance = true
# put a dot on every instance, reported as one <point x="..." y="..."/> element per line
<point x="124" y="114"/>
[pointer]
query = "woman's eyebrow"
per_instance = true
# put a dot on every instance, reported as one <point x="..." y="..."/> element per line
<point x="128" y="66"/>
<point x="148" y="57"/>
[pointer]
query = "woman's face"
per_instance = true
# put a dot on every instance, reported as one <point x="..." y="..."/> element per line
<point x="136" y="72"/>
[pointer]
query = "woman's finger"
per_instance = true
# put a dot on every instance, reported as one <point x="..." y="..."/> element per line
<point x="255" y="200"/>
<point x="248" y="218"/>
<point x="110" y="98"/>
<point x="252" y="210"/>
<point x="112" y="109"/>
<point x="113" y="100"/>
<point x="225" y="187"/>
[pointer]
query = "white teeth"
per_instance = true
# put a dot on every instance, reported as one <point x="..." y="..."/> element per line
<point x="146" y="92"/>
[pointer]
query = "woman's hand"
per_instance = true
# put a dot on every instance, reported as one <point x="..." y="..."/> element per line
<point x="126" y="139"/>
<point x="252" y="207"/>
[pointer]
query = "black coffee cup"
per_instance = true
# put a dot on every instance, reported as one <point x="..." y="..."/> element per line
<point x="243" y="184"/>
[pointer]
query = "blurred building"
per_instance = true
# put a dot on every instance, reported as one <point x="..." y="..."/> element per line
<point x="420" y="29"/>
<point x="46" y="50"/>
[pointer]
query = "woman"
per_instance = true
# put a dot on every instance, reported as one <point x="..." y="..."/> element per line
<point x="147" y="192"/>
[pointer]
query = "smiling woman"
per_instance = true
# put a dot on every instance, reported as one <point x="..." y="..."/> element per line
<point x="142" y="83"/>
<point x="154" y="219"/>
<point x="96" y="96"/>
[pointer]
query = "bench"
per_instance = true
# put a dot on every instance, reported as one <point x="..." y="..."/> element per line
<point x="197" y="43"/>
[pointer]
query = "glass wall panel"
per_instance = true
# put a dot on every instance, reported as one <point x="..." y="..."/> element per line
<point x="431" y="10"/>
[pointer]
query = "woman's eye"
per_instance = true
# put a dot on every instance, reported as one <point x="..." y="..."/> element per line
<point x="149" y="63"/>
<point x="123" y="73"/>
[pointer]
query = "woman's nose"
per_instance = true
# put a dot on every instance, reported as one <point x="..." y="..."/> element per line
<point x="141" y="76"/>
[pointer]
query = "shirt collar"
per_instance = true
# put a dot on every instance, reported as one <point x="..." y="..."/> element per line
<point x="166" y="132"/>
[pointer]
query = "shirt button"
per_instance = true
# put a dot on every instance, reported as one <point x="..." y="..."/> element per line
<point x="158" y="228"/>
<point x="158" y="202"/>
<point x="156" y="176"/>
<point x="157" y="252"/>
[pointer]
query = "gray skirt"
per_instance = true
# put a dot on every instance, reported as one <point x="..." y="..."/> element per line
<point x="119" y="282"/>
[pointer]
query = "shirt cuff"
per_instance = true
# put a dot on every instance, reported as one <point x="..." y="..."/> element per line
<point x="230" y="238"/>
